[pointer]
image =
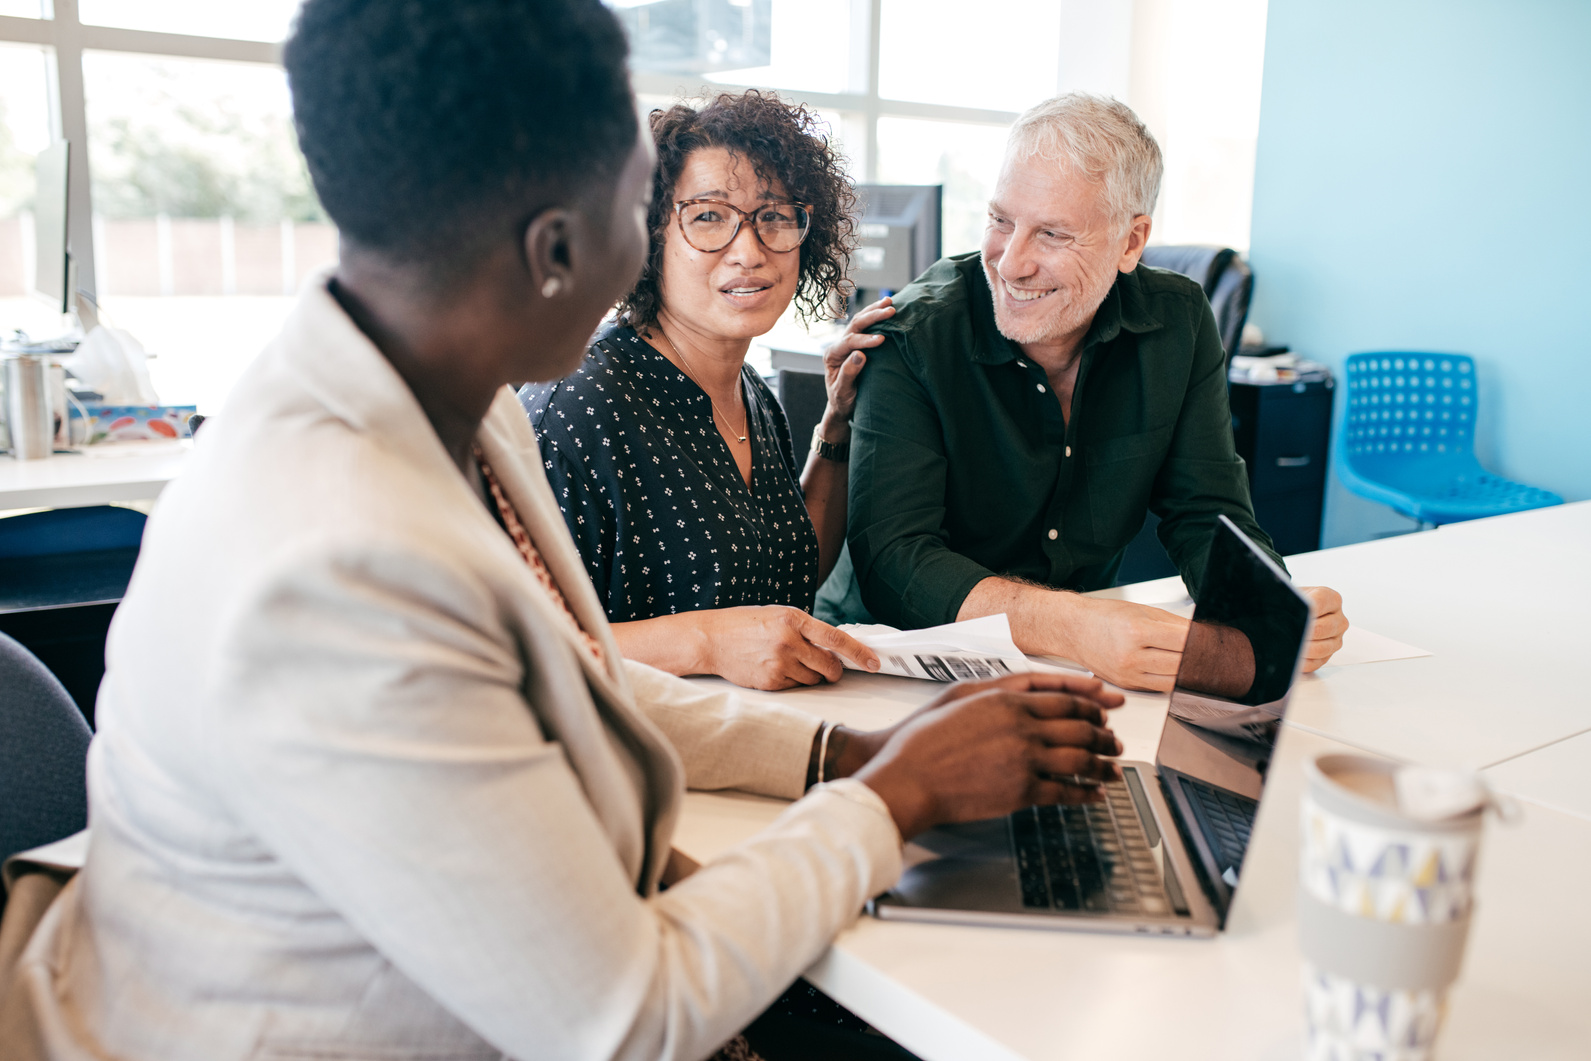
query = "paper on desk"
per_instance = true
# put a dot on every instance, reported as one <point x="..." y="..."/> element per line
<point x="977" y="648"/>
<point x="1362" y="646"/>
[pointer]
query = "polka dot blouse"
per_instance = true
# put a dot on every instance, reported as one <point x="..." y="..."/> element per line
<point x="651" y="492"/>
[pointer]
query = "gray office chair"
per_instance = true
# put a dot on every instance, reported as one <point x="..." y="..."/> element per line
<point x="43" y="755"/>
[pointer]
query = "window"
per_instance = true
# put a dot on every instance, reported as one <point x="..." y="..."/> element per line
<point x="255" y="20"/>
<point x="198" y="221"/>
<point x="809" y="48"/>
<point x="205" y="223"/>
<point x="893" y="112"/>
<point x="192" y="220"/>
<point x="795" y="44"/>
<point x="964" y="158"/>
<point x="24" y="131"/>
<point x="1000" y="54"/>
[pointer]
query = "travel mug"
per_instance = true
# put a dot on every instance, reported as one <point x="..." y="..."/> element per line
<point x="29" y="414"/>
<point x="1387" y="864"/>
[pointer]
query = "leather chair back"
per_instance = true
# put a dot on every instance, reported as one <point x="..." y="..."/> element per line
<point x="1227" y="280"/>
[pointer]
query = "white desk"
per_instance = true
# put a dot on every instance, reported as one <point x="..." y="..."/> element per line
<point x="133" y="471"/>
<point x="952" y="992"/>
<point x="1557" y="776"/>
<point x="1502" y="603"/>
<point x="1499" y="603"/>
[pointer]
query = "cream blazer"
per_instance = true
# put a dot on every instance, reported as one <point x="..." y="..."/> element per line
<point x="356" y="794"/>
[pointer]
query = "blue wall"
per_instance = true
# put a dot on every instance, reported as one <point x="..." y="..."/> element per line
<point x="1423" y="181"/>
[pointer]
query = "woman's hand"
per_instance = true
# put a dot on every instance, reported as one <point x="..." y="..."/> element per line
<point x="775" y="647"/>
<point x="843" y="362"/>
<point x="984" y="749"/>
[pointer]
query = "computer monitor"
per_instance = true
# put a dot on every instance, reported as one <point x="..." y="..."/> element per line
<point x="898" y="226"/>
<point x="53" y="268"/>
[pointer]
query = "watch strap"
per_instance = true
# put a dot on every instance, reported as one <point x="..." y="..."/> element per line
<point x="830" y="451"/>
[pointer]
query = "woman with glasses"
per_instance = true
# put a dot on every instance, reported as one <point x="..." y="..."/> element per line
<point x="671" y="459"/>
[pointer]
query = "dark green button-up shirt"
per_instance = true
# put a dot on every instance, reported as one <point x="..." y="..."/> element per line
<point x="963" y="467"/>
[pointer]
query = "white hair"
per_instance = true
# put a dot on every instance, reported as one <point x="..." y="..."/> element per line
<point x="1101" y="138"/>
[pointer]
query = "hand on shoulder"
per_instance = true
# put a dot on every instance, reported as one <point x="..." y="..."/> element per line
<point x="844" y="360"/>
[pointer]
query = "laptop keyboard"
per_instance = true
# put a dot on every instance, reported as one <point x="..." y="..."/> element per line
<point x="1227" y="818"/>
<point x="1094" y="857"/>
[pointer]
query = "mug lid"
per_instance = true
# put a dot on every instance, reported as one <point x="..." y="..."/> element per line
<point x="1418" y="795"/>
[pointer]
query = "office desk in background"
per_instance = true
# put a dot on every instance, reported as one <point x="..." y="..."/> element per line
<point x="130" y="471"/>
<point x="60" y="606"/>
<point x="1500" y="603"/>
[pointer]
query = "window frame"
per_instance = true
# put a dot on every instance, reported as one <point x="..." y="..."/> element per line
<point x="861" y="101"/>
<point x="60" y="29"/>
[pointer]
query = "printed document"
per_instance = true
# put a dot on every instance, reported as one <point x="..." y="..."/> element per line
<point x="975" y="649"/>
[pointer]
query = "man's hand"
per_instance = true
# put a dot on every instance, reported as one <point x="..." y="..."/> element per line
<point x="1130" y="645"/>
<point x="1325" y="638"/>
<point x="983" y="749"/>
<point x="775" y="647"/>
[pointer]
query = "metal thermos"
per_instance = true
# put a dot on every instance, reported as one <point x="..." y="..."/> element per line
<point x="29" y="413"/>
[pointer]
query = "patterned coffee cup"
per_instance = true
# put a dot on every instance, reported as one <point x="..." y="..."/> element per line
<point x="1386" y="870"/>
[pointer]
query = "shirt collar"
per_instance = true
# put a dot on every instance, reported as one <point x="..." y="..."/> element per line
<point x="1125" y="309"/>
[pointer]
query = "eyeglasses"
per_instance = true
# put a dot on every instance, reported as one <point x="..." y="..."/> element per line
<point x="711" y="224"/>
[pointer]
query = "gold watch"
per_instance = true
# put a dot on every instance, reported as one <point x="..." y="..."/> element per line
<point x="829" y="451"/>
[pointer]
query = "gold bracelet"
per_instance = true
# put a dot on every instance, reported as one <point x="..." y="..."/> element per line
<point x="823" y="749"/>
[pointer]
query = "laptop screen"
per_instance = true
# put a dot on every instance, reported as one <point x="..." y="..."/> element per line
<point x="1243" y="651"/>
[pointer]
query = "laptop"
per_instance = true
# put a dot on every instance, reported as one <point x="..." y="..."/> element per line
<point x="1162" y="853"/>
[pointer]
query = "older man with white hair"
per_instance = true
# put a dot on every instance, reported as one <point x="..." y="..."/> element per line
<point x="1030" y="404"/>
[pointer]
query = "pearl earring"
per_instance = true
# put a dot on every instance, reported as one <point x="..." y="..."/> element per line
<point x="552" y="286"/>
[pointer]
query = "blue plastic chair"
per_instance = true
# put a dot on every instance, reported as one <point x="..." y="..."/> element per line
<point x="43" y="755"/>
<point x="1407" y="440"/>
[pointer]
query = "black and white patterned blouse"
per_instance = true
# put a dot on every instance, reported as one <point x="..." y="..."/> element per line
<point x="651" y="492"/>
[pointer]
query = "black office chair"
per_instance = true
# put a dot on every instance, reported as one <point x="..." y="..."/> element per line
<point x="43" y="753"/>
<point x="804" y="396"/>
<point x="62" y="573"/>
<point x="1227" y="280"/>
<point x="1228" y="283"/>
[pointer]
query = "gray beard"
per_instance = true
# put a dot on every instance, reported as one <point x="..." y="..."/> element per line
<point x="1062" y="321"/>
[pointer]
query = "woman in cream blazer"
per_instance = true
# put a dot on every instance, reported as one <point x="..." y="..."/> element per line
<point x="325" y="822"/>
<point x="361" y="787"/>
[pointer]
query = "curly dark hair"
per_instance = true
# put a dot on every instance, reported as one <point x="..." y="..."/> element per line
<point x="432" y="130"/>
<point x="784" y="143"/>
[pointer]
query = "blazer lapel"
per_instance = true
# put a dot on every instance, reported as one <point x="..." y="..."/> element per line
<point x="343" y="371"/>
<point x="509" y="443"/>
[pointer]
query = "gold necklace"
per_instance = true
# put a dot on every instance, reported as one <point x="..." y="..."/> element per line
<point x="716" y="411"/>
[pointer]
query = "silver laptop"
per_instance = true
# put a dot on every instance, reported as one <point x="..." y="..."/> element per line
<point x="1162" y="853"/>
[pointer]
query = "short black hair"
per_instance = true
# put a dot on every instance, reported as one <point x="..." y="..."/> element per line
<point x="434" y="128"/>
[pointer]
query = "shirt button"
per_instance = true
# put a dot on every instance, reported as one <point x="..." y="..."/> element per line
<point x="1068" y="451"/>
<point x="1054" y="534"/>
<point x="1041" y="388"/>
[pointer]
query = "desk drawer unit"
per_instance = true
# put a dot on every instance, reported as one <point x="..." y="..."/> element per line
<point x="1282" y="432"/>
